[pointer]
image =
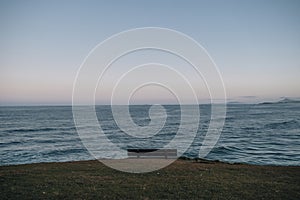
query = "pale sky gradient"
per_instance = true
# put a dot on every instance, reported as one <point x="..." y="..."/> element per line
<point x="255" y="44"/>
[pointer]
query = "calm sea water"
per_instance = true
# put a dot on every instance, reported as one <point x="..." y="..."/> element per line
<point x="257" y="134"/>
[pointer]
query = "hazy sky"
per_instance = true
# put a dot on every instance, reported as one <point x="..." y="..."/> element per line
<point x="255" y="44"/>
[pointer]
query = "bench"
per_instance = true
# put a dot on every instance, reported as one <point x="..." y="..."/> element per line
<point x="152" y="153"/>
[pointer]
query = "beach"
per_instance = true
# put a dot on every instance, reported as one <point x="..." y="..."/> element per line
<point x="183" y="179"/>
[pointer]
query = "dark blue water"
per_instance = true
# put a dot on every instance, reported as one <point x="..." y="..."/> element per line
<point x="257" y="134"/>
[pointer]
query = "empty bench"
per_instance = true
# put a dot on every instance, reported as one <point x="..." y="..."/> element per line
<point x="152" y="153"/>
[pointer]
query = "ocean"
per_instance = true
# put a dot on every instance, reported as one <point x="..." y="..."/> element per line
<point x="263" y="134"/>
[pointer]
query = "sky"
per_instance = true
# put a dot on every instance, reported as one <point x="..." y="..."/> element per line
<point x="255" y="44"/>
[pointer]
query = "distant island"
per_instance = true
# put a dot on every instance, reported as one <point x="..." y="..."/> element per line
<point x="283" y="101"/>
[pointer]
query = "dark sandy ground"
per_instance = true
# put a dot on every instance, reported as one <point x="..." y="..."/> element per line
<point x="183" y="179"/>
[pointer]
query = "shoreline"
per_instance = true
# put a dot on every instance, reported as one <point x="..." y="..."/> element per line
<point x="183" y="179"/>
<point x="199" y="160"/>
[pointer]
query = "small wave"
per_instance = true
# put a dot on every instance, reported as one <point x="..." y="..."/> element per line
<point x="291" y="124"/>
<point x="26" y="130"/>
<point x="250" y="128"/>
<point x="10" y="143"/>
<point x="57" y="152"/>
<point x="30" y="130"/>
<point x="57" y="140"/>
<point x="226" y="149"/>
